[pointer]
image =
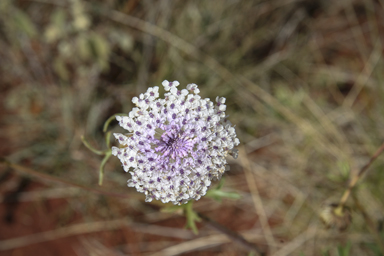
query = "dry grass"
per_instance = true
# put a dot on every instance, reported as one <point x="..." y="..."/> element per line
<point x="303" y="81"/>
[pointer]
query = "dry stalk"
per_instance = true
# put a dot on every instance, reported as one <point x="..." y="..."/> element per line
<point x="232" y="235"/>
<point x="257" y="200"/>
<point x="50" y="178"/>
<point x="340" y="209"/>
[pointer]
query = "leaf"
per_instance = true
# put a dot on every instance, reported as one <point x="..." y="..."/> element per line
<point x="126" y="42"/>
<point x="218" y="195"/>
<point x="61" y="69"/>
<point x="81" y="22"/>
<point x="4" y="5"/>
<point x="344" y="169"/>
<point x="24" y="23"/>
<point x="56" y="28"/>
<point x="83" y="47"/>
<point x="325" y="253"/>
<point x="122" y="39"/>
<point x="374" y="248"/>
<point x="344" y="250"/>
<point x="100" y="49"/>
<point x="59" y="17"/>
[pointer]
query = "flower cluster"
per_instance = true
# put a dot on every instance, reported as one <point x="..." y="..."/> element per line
<point x="176" y="145"/>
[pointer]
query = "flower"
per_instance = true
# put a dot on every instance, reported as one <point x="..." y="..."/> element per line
<point x="175" y="146"/>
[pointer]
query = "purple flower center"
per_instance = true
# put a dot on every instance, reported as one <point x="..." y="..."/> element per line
<point x="172" y="143"/>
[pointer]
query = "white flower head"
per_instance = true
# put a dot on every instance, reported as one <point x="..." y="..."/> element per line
<point x="175" y="146"/>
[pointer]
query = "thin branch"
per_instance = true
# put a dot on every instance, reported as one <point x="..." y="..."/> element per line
<point x="47" y="177"/>
<point x="232" y="235"/>
<point x="256" y="199"/>
<point x="51" y="235"/>
<point x="371" y="224"/>
<point x="92" y="227"/>
<point x="364" y="76"/>
<point x="297" y="242"/>
<point x="51" y="193"/>
<point x="355" y="179"/>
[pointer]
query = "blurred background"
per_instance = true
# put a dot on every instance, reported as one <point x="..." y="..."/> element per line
<point x="304" y="85"/>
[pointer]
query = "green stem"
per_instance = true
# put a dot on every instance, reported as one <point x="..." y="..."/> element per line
<point x="98" y="152"/>
<point x="109" y="120"/>
<point x="108" y="139"/>
<point x="191" y="216"/>
<point x="101" y="169"/>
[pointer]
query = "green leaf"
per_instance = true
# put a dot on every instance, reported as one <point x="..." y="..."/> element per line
<point x="344" y="250"/>
<point x="59" y="17"/>
<point x="56" y="29"/>
<point x="122" y="39"/>
<point x="83" y="47"/>
<point x="374" y="248"/>
<point x="61" y="69"/>
<point x="325" y="253"/>
<point x="100" y="49"/>
<point x="217" y="194"/>
<point x="4" y="5"/>
<point x="221" y="184"/>
<point x="24" y="23"/>
<point x="344" y="169"/>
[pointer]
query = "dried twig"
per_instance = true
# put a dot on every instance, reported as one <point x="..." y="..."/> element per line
<point x="47" y="177"/>
<point x="297" y="242"/>
<point x="204" y="242"/>
<point x="232" y="235"/>
<point x="355" y="179"/>
<point x="51" y="235"/>
<point x="257" y="200"/>
<point x="371" y="224"/>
